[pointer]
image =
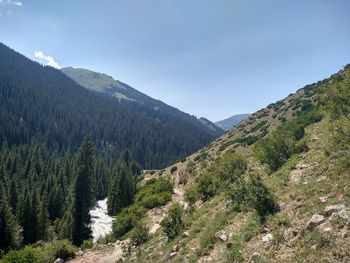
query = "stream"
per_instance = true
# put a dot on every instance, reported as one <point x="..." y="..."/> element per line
<point x="101" y="222"/>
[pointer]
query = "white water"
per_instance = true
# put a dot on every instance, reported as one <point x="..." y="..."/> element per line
<point x="101" y="222"/>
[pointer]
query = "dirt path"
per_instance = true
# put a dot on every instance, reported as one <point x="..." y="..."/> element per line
<point x="106" y="256"/>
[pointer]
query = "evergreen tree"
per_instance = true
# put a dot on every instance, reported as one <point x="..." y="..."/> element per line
<point x="13" y="195"/>
<point x="122" y="185"/>
<point x="82" y="193"/>
<point x="11" y="233"/>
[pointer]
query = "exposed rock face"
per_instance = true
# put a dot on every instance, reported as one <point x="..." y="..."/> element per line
<point x="315" y="220"/>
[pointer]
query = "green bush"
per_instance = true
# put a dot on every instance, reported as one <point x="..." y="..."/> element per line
<point x="26" y="255"/>
<point x="172" y="224"/>
<point x="139" y="235"/>
<point x="191" y="195"/>
<point x="60" y="249"/>
<point x="155" y="200"/>
<point x="207" y="186"/>
<point x="127" y="219"/>
<point x="87" y="244"/>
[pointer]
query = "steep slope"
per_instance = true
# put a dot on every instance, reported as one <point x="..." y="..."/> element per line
<point x="106" y="84"/>
<point x="297" y="212"/>
<point x="42" y="104"/>
<point x="232" y="121"/>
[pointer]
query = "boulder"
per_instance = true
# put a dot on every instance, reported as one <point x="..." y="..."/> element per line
<point x="221" y="235"/>
<point x="267" y="239"/>
<point x="315" y="220"/>
<point x="59" y="260"/>
<point x="344" y="214"/>
<point x="332" y="209"/>
<point x="321" y="178"/>
<point x="172" y="254"/>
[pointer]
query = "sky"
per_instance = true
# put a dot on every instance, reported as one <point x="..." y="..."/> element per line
<point x="210" y="58"/>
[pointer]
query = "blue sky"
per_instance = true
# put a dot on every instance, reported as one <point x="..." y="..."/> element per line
<point x="211" y="58"/>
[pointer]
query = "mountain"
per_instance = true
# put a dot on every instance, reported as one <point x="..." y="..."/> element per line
<point x="232" y="121"/>
<point x="272" y="189"/>
<point x="106" y="84"/>
<point x="211" y="126"/>
<point x="41" y="104"/>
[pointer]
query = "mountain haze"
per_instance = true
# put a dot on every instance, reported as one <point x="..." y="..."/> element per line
<point x="232" y="121"/>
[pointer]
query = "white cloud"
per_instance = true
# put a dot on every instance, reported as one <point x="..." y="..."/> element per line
<point x="47" y="60"/>
<point x="11" y="2"/>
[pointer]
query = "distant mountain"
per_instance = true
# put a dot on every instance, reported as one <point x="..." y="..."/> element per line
<point x="232" y="121"/>
<point x="41" y="104"/>
<point x="216" y="129"/>
<point x="106" y="84"/>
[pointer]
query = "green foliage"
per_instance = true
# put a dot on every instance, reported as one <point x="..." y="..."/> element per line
<point x="154" y="193"/>
<point x="127" y="219"/>
<point x="277" y="148"/>
<point x="10" y="231"/>
<point x="60" y="249"/>
<point x="172" y="224"/>
<point x="207" y="186"/>
<point x="252" y="194"/>
<point x="191" y="195"/>
<point x="122" y="185"/>
<point x="87" y="244"/>
<point x="25" y="255"/>
<point x="139" y="235"/>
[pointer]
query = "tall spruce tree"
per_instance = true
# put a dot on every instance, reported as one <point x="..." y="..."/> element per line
<point x="10" y="231"/>
<point x="122" y="186"/>
<point x="82" y="192"/>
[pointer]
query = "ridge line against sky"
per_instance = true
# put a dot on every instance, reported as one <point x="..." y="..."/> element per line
<point x="208" y="58"/>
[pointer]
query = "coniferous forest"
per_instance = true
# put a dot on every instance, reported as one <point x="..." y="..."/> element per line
<point x="62" y="147"/>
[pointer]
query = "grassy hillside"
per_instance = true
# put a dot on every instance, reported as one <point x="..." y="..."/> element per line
<point x="229" y="215"/>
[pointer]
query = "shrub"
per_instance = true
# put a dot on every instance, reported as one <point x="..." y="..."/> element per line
<point x="139" y="235"/>
<point x="60" y="249"/>
<point x="207" y="186"/>
<point x="191" y="195"/>
<point x="87" y="244"/>
<point x="127" y="219"/>
<point x="26" y="255"/>
<point x="172" y="224"/>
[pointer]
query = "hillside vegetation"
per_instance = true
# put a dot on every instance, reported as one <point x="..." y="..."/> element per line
<point x="273" y="189"/>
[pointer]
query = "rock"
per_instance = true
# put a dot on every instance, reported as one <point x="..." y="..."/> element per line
<point x="176" y="248"/>
<point x="59" y="260"/>
<point x="221" y="235"/>
<point x="186" y="234"/>
<point x="120" y="260"/>
<point x="323" y="199"/>
<point x="302" y="166"/>
<point x="118" y="242"/>
<point x="333" y="208"/>
<point x="267" y="239"/>
<point x="172" y="254"/>
<point x="80" y="253"/>
<point x="344" y="214"/>
<point x="315" y="220"/>
<point x="321" y="178"/>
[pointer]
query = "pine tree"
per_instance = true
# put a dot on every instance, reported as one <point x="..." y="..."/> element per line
<point x="82" y="193"/>
<point x="11" y="233"/>
<point x="13" y="195"/>
<point x="122" y="186"/>
<point x="43" y="220"/>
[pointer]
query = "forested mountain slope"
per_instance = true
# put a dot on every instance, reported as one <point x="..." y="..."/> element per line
<point x="121" y="91"/>
<point x="41" y="104"/>
<point x="273" y="189"/>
